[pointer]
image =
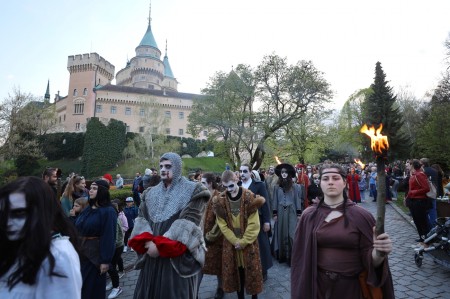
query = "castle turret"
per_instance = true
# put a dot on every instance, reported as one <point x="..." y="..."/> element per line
<point x="170" y="82"/>
<point x="86" y="72"/>
<point x="146" y="69"/>
<point x="47" y="92"/>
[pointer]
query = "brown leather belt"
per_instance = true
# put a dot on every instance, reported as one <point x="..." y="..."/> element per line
<point x="336" y="276"/>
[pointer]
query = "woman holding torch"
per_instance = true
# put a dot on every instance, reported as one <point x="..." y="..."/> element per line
<point x="335" y="245"/>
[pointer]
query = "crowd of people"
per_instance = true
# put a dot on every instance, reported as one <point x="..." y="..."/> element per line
<point x="231" y="225"/>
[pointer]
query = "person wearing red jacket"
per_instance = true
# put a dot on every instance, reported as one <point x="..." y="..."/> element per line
<point x="417" y="200"/>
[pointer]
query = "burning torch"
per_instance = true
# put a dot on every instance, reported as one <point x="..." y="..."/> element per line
<point x="379" y="145"/>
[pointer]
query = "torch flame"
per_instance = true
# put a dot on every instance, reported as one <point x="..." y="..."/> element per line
<point x="278" y="160"/>
<point x="360" y="163"/>
<point x="378" y="141"/>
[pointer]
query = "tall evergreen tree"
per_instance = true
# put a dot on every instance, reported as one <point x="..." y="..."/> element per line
<point x="381" y="108"/>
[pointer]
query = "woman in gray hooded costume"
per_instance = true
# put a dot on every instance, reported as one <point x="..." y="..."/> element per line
<point x="172" y="209"/>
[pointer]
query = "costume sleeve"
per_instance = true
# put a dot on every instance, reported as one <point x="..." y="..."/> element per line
<point x="108" y="235"/>
<point x="275" y="202"/>
<point x="68" y="283"/>
<point x="227" y="232"/>
<point x="298" y="198"/>
<point x="251" y="232"/>
<point x="377" y="277"/>
<point x="213" y="234"/>
<point x="186" y="229"/>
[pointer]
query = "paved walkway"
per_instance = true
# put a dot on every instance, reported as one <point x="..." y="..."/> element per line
<point x="429" y="281"/>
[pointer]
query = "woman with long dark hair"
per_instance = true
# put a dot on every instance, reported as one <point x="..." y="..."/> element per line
<point x="37" y="243"/>
<point x="97" y="227"/>
<point x="335" y="243"/>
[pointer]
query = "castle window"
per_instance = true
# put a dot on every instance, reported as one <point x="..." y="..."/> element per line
<point x="75" y="92"/>
<point x="127" y="111"/>
<point x="155" y="130"/>
<point x="79" y="108"/>
<point x="142" y="112"/>
<point x="181" y="115"/>
<point x="205" y="133"/>
<point x="113" y="109"/>
<point x="150" y="86"/>
<point x="85" y="92"/>
<point x="128" y="129"/>
<point x="60" y="119"/>
<point x="77" y="126"/>
<point x="180" y="132"/>
<point x="168" y="114"/>
<point x="167" y="131"/>
<point x="141" y="129"/>
<point x="98" y="108"/>
<point x="64" y="118"/>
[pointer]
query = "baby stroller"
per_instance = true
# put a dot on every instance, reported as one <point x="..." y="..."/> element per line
<point x="437" y="244"/>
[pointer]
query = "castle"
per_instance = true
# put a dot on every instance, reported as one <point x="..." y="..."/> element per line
<point x="145" y="96"/>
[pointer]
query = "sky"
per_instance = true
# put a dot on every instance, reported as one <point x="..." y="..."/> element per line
<point x="344" y="39"/>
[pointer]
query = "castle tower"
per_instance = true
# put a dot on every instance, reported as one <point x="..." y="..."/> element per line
<point x="146" y="69"/>
<point x="170" y="83"/>
<point x="47" y="93"/>
<point x="86" y="72"/>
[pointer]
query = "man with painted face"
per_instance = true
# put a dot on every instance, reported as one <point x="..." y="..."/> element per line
<point x="259" y="188"/>
<point x="168" y="226"/>
<point x="237" y="217"/>
<point x="271" y="181"/>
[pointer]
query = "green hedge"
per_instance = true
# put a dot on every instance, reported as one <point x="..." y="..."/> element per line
<point x="58" y="146"/>
<point x="103" y="146"/>
<point x="121" y="194"/>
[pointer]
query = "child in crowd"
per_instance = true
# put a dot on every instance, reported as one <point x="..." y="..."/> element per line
<point x="78" y="206"/>
<point x="114" y="284"/>
<point x="131" y="212"/>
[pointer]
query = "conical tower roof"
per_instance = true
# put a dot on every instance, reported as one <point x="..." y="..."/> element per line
<point x="47" y="92"/>
<point x="167" y="69"/>
<point x="149" y="39"/>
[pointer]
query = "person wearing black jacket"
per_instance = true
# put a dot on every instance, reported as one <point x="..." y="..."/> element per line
<point x="432" y="175"/>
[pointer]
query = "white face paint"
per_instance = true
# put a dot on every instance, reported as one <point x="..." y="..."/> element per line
<point x="231" y="187"/>
<point x="165" y="171"/>
<point x="271" y="170"/>
<point x="17" y="216"/>
<point x="284" y="173"/>
<point x="245" y="173"/>
<point x="205" y="183"/>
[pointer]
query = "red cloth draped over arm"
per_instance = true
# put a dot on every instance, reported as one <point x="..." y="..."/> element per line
<point x="166" y="247"/>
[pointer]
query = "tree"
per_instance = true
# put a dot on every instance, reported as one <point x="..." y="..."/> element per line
<point x="349" y="142"/>
<point x="23" y="119"/>
<point x="413" y="111"/>
<point x="285" y="93"/>
<point x="154" y="122"/>
<point x="226" y="111"/>
<point x="246" y="108"/>
<point x="382" y="109"/>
